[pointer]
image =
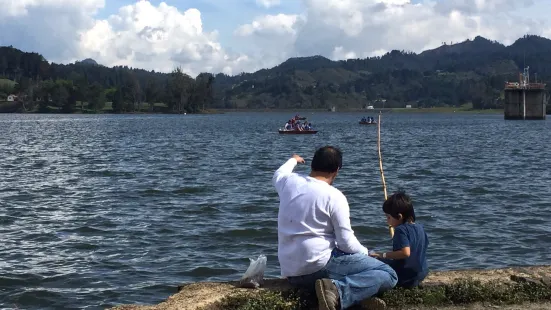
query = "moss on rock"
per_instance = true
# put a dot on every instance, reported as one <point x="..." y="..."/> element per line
<point x="441" y="289"/>
<point x="460" y="292"/>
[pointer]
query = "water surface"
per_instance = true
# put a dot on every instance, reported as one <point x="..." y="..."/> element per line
<point x="98" y="210"/>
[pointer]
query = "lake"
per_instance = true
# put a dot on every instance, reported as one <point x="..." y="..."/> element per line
<point x="99" y="210"/>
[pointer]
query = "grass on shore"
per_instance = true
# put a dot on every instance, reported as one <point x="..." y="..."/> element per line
<point x="457" y="293"/>
<point x="376" y="111"/>
<point x="465" y="108"/>
<point x="448" y="110"/>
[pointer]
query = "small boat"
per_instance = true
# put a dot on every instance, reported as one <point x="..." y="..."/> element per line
<point x="367" y="123"/>
<point x="297" y="132"/>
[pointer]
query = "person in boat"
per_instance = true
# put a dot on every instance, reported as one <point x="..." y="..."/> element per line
<point x="317" y="248"/>
<point x="409" y="244"/>
<point x="288" y="125"/>
<point x="310" y="126"/>
<point x="364" y="120"/>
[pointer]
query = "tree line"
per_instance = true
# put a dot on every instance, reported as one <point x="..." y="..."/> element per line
<point x="471" y="72"/>
<point x="90" y="88"/>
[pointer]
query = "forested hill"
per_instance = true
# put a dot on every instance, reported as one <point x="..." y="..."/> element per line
<point x="452" y="74"/>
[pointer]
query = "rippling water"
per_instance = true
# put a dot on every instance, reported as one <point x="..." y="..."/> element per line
<point x="101" y="210"/>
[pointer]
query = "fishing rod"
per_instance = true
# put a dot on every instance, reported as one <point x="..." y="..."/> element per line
<point x="390" y="228"/>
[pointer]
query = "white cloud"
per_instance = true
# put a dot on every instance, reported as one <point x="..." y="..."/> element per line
<point x="146" y="36"/>
<point x="48" y="26"/>
<point x="272" y="37"/>
<point x="161" y="37"/>
<point x="268" y="25"/>
<point x="268" y="3"/>
<point x="18" y="8"/>
<point x="139" y="35"/>
<point x="341" y="29"/>
<point x="340" y="53"/>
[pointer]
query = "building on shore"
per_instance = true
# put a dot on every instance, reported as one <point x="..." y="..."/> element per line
<point x="525" y="100"/>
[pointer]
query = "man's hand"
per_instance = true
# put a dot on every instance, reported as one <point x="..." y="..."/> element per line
<point x="374" y="255"/>
<point x="299" y="159"/>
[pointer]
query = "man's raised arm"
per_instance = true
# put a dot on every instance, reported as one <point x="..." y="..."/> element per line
<point x="285" y="170"/>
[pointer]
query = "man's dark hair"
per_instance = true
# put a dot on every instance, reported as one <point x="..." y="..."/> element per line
<point x="327" y="159"/>
<point x="399" y="203"/>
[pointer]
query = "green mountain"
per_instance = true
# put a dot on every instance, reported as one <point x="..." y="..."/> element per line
<point x="473" y="71"/>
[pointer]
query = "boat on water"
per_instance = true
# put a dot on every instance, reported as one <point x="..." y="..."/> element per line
<point x="295" y="127"/>
<point x="368" y="121"/>
<point x="297" y="132"/>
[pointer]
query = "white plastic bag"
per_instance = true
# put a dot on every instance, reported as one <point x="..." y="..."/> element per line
<point x="254" y="276"/>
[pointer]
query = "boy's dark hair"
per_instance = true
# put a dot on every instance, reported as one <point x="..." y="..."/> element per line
<point x="327" y="159"/>
<point x="399" y="203"/>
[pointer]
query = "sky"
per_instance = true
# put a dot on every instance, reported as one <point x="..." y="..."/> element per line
<point x="234" y="36"/>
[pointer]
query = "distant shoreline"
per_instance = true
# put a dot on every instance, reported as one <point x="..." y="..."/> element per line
<point x="11" y="107"/>
<point x="374" y="111"/>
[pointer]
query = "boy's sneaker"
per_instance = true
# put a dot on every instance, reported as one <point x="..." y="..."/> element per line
<point x="373" y="303"/>
<point x="328" y="295"/>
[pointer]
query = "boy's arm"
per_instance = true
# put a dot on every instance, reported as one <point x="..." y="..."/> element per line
<point x="340" y="218"/>
<point x="400" y="254"/>
<point x="399" y="241"/>
<point x="278" y="180"/>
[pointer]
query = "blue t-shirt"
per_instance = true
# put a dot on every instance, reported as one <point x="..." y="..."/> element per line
<point x="412" y="270"/>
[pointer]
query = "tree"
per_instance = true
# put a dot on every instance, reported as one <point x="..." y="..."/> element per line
<point x="96" y="95"/>
<point x="118" y="100"/>
<point x="181" y="85"/>
<point x="133" y="91"/>
<point x="110" y="94"/>
<point x="3" y="66"/>
<point x="65" y="95"/>
<point x="203" y="87"/>
<point x="151" y="93"/>
<point x="60" y="94"/>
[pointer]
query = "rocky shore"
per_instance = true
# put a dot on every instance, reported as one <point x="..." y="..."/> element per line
<point x="508" y="288"/>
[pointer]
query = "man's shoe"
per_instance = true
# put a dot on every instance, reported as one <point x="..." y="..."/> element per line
<point x="328" y="295"/>
<point x="374" y="303"/>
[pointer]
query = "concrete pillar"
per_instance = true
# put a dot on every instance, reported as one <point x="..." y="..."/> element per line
<point x="520" y="101"/>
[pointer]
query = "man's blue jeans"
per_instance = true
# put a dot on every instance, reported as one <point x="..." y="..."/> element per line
<point x="356" y="276"/>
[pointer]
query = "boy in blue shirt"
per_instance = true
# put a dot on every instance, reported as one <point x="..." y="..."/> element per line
<point x="409" y="243"/>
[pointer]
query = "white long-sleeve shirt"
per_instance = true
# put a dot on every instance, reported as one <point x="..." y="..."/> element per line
<point x="314" y="218"/>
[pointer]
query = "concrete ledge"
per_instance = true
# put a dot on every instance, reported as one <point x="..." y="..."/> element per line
<point x="208" y="295"/>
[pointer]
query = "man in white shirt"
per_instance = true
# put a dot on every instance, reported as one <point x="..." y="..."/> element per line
<point x="317" y="248"/>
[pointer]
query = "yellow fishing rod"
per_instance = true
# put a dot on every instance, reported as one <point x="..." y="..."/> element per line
<point x="390" y="228"/>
